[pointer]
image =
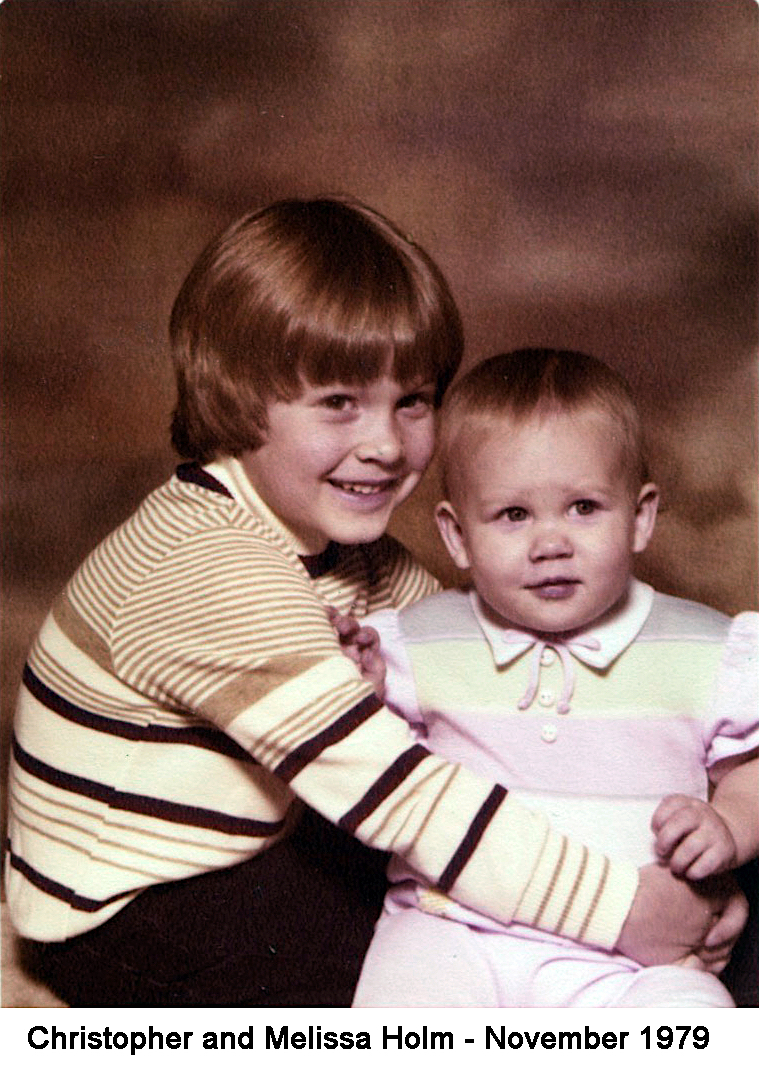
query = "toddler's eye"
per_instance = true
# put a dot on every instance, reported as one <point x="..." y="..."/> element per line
<point x="584" y="507"/>
<point x="515" y="514"/>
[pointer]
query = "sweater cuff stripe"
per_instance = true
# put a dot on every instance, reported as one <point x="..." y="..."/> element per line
<point x="551" y="885"/>
<point x="471" y="839"/>
<point x="571" y="898"/>
<point x="594" y="902"/>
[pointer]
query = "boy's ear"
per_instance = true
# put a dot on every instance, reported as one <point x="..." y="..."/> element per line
<point x="645" y="515"/>
<point x="450" y="531"/>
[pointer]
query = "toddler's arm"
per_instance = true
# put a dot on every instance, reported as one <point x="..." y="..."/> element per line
<point x="736" y="798"/>
<point x="697" y="839"/>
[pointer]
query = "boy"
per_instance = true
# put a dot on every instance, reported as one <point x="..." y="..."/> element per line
<point x="591" y="695"/>
<point x="187" y="688"/>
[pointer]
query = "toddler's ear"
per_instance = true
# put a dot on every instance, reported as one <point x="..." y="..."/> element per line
<point x="450" y="531"/>
<point x="645" y="515"/>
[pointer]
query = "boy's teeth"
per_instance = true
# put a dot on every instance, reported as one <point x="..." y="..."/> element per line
<point x="356" y="487"/>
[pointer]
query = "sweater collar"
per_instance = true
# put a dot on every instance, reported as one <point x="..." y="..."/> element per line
<point x="229" y="473"/>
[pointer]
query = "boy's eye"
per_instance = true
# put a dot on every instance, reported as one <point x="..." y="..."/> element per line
<point x="336" y="402"/>
<point x="416" y="402"/>
<point x="515" y="514"/>
<point x="584" y="507"/>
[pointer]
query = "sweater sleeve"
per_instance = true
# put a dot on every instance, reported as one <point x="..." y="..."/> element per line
<point x="228" y="628"/>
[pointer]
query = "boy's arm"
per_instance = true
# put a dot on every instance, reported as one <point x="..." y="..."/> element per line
<point x="267" y="669"/>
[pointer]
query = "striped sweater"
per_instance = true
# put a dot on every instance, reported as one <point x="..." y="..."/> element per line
<point x="187" y="687"/>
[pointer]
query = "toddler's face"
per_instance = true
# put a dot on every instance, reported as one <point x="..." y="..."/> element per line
<point x="339" y="458"/>
<point x="547" y="521"/>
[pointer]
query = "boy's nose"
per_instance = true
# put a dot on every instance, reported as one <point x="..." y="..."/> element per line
<point x="381" y="445"/>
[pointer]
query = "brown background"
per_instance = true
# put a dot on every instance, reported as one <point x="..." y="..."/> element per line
<point x="583" y="171"/>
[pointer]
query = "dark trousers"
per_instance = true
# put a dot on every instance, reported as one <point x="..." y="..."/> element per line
<point x="289" y="928"/>
<point x="741" y="976"/>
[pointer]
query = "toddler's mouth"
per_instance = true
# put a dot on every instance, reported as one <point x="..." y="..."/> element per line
<point x="554" y="588"/>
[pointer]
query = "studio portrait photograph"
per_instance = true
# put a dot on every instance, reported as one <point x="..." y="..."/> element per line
<point x="380" y="603"/>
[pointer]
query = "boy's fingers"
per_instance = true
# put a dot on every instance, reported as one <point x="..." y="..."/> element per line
<point x="727" y="928"/>
<point x="715" y="964"/>
<point x="345" y="625"/>
<point x="693" y="961"/>
<point x="367" y="637"/>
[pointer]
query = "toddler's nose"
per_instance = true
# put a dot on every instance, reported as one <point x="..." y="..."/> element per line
<point x="550" y="544"/>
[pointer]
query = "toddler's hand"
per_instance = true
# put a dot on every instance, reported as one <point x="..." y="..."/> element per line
<point x="362" y="645"/>
<point x="692" y="838"/>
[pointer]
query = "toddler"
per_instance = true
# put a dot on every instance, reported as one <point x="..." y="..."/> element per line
<point x="607" y="705"/>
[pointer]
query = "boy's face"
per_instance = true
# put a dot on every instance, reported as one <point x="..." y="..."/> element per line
<point x="338" y="459"/>
<point x="546" y="519"/>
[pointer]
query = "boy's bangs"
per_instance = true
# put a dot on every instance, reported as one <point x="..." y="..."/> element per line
<point x="410" y="356"/>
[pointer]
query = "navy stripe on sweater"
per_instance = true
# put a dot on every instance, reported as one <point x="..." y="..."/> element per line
<point x="472" y="838"/>
<point x="168" y="810"/>
<point x="306" y="753"/>
<point x="202" y="736"/>
<point x="55" y="889"/>
<point x="383" y="787"/>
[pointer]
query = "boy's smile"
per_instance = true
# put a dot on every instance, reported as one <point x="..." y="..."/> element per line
<point x="338" y="459"/>
<point x="547" y="520"/>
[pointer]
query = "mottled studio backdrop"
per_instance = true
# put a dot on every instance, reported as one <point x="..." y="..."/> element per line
<point x="583" y="170"/>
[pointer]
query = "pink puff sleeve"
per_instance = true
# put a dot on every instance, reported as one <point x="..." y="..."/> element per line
<point x="734" y="727"/>
<point x="400" y="690"/>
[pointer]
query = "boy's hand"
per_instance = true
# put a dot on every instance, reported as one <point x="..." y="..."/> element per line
<point x="671" y="919"/>
<point x="362" y="645"/>
<point x="692" y="838"/>
<point x="720" y="941"/>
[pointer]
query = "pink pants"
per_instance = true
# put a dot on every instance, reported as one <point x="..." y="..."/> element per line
<point x="421" y="960"/>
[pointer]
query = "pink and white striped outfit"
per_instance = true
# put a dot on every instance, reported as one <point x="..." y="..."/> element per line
<point x="594" y="731"/>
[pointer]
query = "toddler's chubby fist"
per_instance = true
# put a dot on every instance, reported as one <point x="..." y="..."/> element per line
<point x="362" y="645"/>
<point x="692" y="838"/>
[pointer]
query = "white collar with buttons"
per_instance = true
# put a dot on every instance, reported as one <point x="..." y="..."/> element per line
<point x="598" y="646"/>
